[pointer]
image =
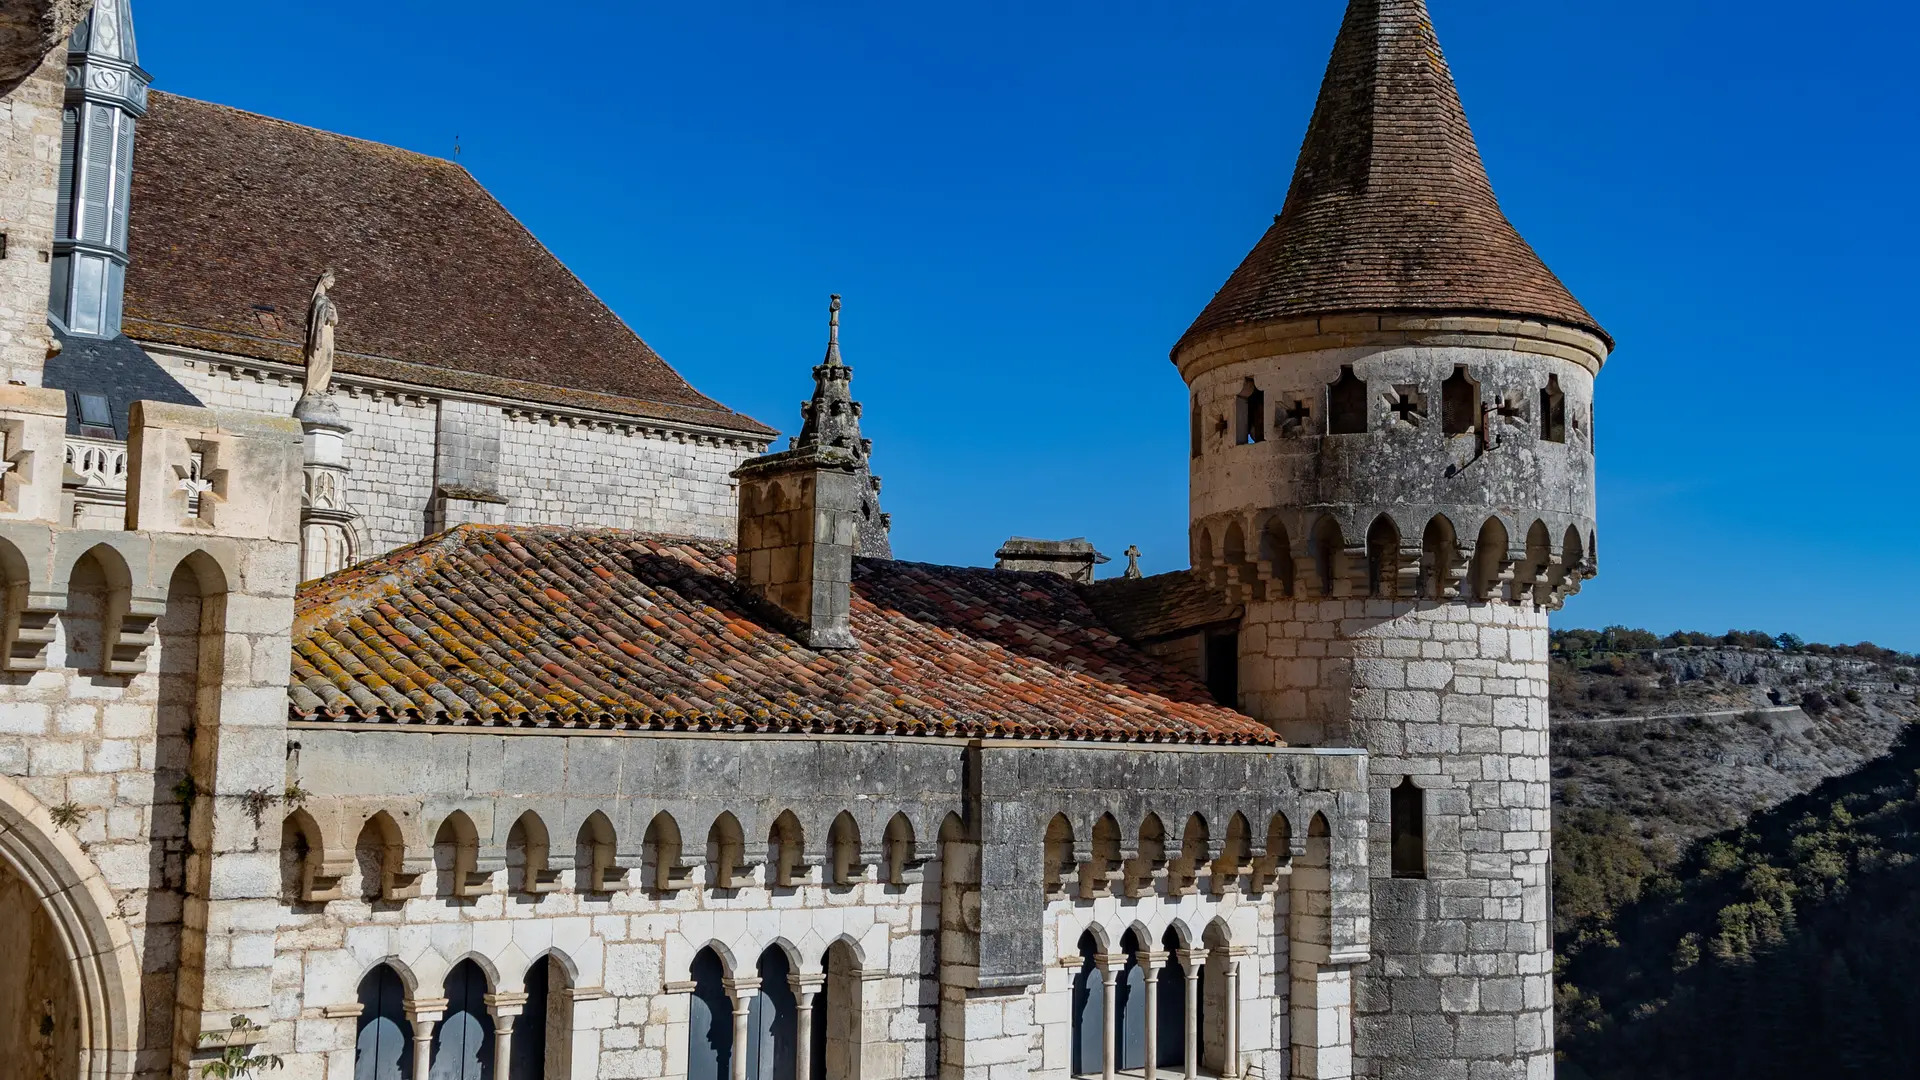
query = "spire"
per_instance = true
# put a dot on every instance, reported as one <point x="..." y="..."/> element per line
<point x="106" y="94"/>
<point x="831" y="425"/>
<point x="1390" y="208"/>
<point x="833" y="331"/>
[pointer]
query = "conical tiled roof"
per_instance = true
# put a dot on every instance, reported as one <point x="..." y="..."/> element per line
<point x="1390" y="208"/>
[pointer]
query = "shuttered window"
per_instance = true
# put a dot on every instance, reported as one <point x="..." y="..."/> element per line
<point x="69" y="142"/>
<point x="96" y="181"/>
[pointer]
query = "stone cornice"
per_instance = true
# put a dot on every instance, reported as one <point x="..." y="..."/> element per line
<point x="1265" y="340"/>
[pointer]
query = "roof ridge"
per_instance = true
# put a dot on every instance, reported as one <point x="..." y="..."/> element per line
<point x="328" y="132"/>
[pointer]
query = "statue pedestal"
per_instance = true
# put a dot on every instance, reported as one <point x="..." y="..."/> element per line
<point x="326" y="524"/>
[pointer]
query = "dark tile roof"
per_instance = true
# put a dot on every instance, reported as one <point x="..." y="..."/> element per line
<point x="235" y="215"/>
<point x="114" y="367"/>
<point x="1145" y="610"/>
<point x="1390" y="208"/>
<point x="610" y="628"/>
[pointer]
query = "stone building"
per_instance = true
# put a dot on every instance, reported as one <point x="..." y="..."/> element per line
<point x="624" y="749"/>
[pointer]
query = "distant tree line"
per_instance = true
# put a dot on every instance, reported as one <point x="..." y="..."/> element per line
<point x="1623" y="639"/>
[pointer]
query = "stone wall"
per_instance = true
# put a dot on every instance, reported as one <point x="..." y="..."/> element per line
<point x="1454" y="698"/>
<point x="552" y="468"/>
<point x="29" y="185"/>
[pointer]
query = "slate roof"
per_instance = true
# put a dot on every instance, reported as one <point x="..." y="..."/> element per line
<point x="603" y="628"/>
<point x="114" y="367"/>
<point x="234" y="216"/>
<point x="1390" y="208"/>
<point x="1145" y="610"/>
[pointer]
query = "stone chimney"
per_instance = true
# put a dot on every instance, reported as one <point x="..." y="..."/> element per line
<point x="1071" y="559"/>
<point x="801" y="510"/>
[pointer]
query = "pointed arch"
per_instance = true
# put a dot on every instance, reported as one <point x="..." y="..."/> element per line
<point x="904" y="862"/>
<point x="1439" y="558"/>
<point x="1492" y="570"/>
<point x="843" y="843"/>
<point x="1089" y="1009"/>
<point x="1234" y="544"/>
<point x="660" y="855"/>
<point x="456" y="858"/>
<point x="530" y="867"/>
<point x="1058" y="861"/>
<point x="710" y="1046"/>
<point x="595" y="860"/>
<point x="1236" y="853"/>
<point x="543" y="1032"/>
<point x="1276" y="554"/>
<point x="55" y="899"/>
<point x="1535" y="580"/>
<point x="383" y="1036"/>
<point x="380" y="852"/>
<point x="306" y="875"/>
<point x="1383" y="557"/>
<point x="1329" y="551"/>
<point x="838" y="1037"/>
<point x="1201" y="548"/>
<point x="726" y="852"/>
<point x="1105" y="864"/>
<point x="463" y="1039"/>
<point x="786" y="853"/>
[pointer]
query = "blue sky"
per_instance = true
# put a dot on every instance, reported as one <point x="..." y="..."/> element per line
<point x="1025" y="204"/>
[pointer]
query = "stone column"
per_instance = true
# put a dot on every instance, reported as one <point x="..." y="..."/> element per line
<point x="742" y="992"/>
<point x="326" y="523"/>
<point x="1151" y="962"/>
<point x="804" y="988"/>
<point x="1190" y="961"/>
<point x="424" y="1014"/>
<point x="506" y="1008"/>
<point x="1110" y="966"/>
<point x="1233" y="1013"/>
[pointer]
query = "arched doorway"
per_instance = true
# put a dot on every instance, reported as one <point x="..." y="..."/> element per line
<point x="837" y="1034"/>
<point x="543" y="1033"/>
<point x="55" y="916"/>
<point x="1170" y="1041"/>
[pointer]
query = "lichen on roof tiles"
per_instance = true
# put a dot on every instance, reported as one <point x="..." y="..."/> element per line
<point x="662" y="640"/>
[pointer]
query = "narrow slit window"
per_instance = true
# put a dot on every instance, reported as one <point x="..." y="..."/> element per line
<point x="1347" y="404"/>
<point x="1223" y="669"/>
<point x="1194" y="451"/>
<point x="1409" y="830"/>
<point x="1250" y="416"/>
<point x="1553" y="411"/>
<point x="1459" y="403"/>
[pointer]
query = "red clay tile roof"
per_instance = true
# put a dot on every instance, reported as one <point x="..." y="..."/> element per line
<point x="1145" y="610"/>
<point x="1391" y="208"/>
<point x="438" y="284"/>
<point x="610" y="628"/>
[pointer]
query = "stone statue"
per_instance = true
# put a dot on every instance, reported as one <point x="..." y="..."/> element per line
<point x="322" y="316"/>
<point x="1133" y="562"/>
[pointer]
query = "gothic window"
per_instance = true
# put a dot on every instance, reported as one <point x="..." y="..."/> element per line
<point x="772" y="1021"/>
<point x="1130" y="1008"/>
<point x="1459" y="403"/>
<point x="463" y="1039"/>
<point x="383" y="1039"/>
<point x="710" y="1021"/>
<point x="543" y="1033"/>
<point x="1553" y="411"/>
<point x="1089" y="1012"/>
<point x="1409" y="830"/>
<point x="1347" y="404"/>
<point x="1249" y="416"/>
<point x="1170" y="1035"/>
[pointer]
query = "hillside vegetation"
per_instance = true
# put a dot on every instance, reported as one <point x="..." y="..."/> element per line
<point x="1736" y="821"/>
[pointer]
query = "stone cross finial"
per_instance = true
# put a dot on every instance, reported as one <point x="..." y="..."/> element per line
<point x="833" y="330"/>
<point x="322" y="317"/>
<point x="1133" y="562"/>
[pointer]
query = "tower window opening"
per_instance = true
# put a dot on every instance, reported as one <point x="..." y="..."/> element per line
<point x="1347" y="404"/>
<point x="1409" y="830"/>
<point x="1459" y="403"/>
<point x="1194" y="450"/>
<point x="1293" y="417"/>
<point x="1223" y="668"/>
<point x="1409" y="405"/>
<point x="1250" y="416"/>
<point x="1553" y="412"/>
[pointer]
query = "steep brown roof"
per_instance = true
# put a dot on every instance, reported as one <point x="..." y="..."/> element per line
<point x="234" y="216"/>
<point x="1144" y="610"/>
<point x="1390" y="208"/>
<point x="604" y="628"/>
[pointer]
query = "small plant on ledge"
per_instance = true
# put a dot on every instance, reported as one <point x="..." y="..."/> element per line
<point x="68" y="815"/>
<point x="237" y="1061"/>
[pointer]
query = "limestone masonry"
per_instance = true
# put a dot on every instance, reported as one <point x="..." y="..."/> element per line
<point x="404" y="672"/>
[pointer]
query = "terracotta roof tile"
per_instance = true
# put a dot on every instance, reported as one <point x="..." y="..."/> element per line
<point x="1390" y="208"/>
<point x="1162" y="606"/>
<point x="439" y="285"/>
<point x="611" y="628"/>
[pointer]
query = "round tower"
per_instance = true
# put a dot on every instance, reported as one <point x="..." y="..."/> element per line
<point x="1392" y="469"/>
